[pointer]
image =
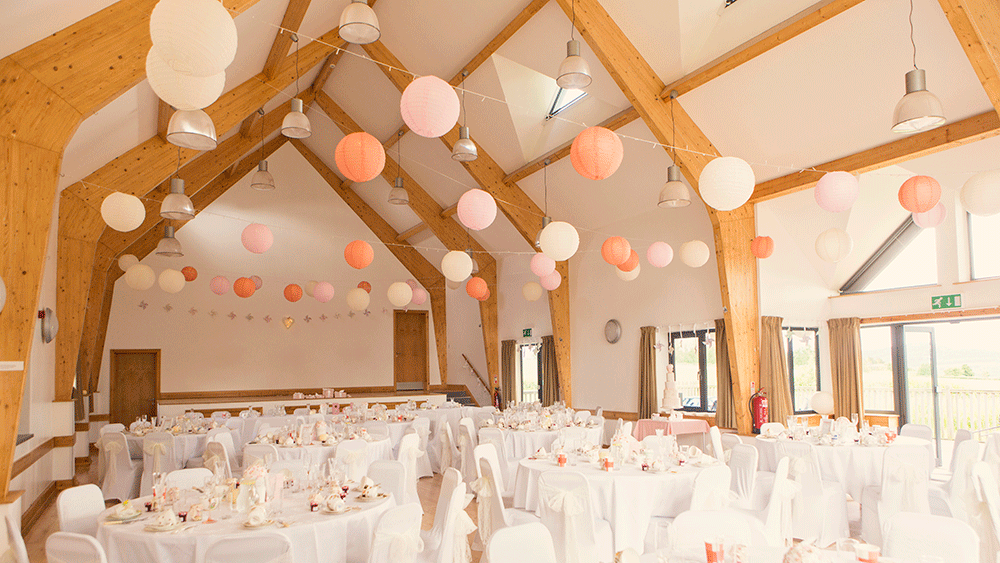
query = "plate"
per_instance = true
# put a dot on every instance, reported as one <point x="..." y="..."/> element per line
<point x="261" y="525"/>
<point x="170" y="528"/>
<point x="115" y="518"/>
<point x="344" y="511"/>
<point x="372" y="499"/>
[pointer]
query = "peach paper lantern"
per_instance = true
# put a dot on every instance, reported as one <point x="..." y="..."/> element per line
<point x="836" y="191"/>
<point x="399" y="294"/>
<point x="365" y="286"/>
<point x="919" y="194"/>
<point x="485" y="296"/>
<point x="476" y="287"/>
<point x="219" y="285"/>
<point x="190" y="274"/>
<point x="596" y="153"/>
<point x="257" y="282"/>
<point x="931" y="219"/>
<point x="323" y="292"/>
<point x="659" y="254"/>
<point x="762" y="247"/>
<point x="257" y="238"/>
<point x="359" y="254"/>
<point x="429" y="106"/>
<point x="360" y="157"/>
<point x="551" y="281"/>
<point x="293" y="292"/>
<point x="616" y="250"/>
<point x="477" y="209"/>
<point x="310" y="286"/>
<point x="358" y="299"/>
<point x="419" y="296"/>
<point x="244" y="287"/>
<point x="542" y="265"/>
<point x="531" y="291"/>
<point x="632" y="262"/>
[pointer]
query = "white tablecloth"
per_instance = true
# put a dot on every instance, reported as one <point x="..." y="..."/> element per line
<point x="522" y="443"/>
<point x="315" y="537"/>
<point x="318" y="454"/>
<point x="186" y="446"/>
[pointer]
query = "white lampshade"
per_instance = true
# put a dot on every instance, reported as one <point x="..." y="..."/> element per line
<point x="182" y="91"/>
<point x="126" y="261"/>
<point x="400" y="294"/>
<point x="192" y="130"/>
<point x="172" y="281"/>
<point x="695" y="253"/>
<point x="168" y="245"/>
<point x="531" y="291"/>
<point x="628" y="276"/>
<point x="176" y="205"/>
<point x="310" y="287"/>
<point x="359" y="24"/>
<point x="918" y="110"/>
<point x="726" y="183"/>
<point x="833" y="245"/>
<point x="453" y="284"/>
<point x="980" y="194"/>
<point x="559" y="240"/>
<point x="296" y="124"/>
<point x="194" y="37"/>
<point x="123" y="212"/>
<point x="398" y="195"/>
<point x="3" y="294"/>
<point x="456" y="266"/>
<point x="822" y="402"/>
<point x="674" y="192"/>
<point x="140" y="277"/>
<point x="464" y="150"/>
<point x="262" y="179"/>
<point x="358" y="299"/>
<point x="574" y="72"/>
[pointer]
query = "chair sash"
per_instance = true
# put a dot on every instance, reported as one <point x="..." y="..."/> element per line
<point x="445" y="446"/>
<point x="157" y="450"/>
<point x="905" y="478"/>
<point x="403" y="546"/>
<point x="464" y="452"/>
<point x="570" y="503"/>
<point x="483" y="488"/>
<point x="461" y="550"/>
<point x="111" y="450"/>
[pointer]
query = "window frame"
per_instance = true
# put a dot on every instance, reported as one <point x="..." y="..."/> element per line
<point x="790" y="359"/>
<point x="701" y="335"/>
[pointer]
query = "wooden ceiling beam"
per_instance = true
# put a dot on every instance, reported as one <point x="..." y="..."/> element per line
<point x="163" y="113"/>
<point x="294" y="14"/>
<point x="977" y="25"/>
<point x="419" y="227"/>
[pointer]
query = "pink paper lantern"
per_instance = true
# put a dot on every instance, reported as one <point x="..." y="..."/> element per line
<point x="836" y="191"/>
<point x="542" y="265"/>
<point x="323" y="292"/>
<point x="659" y="254"/>
<point x="360" y="157"/>
<point x="419" y="296"/>
<point x="257" y="282"/>
<point x="551" y="281"/>
<point x="932" y="218"/>
<point x="477" y="209"/>
<point x="412" y="283"/>
<point x="919" y="194"/>
<point x="359" y="254"/>
<point x="615" y="250"/>
<point x="219" y="285"/>
<point x="596" y="153"/>
<point x="257" y="238"/>
<point x="429" y="106"/>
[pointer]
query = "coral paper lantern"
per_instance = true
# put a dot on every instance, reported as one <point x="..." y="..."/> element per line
<point x="596" y="153"/>
<point x="476" y="287"/>
<point x="456" y="265"/>
<point x="919" y="194"/>
<point x="532" y="291"/>
<point x="140" y="276"/>
<point x="244" y="287"/>
<point x="615" y="250"/>
<point x="190" y="274"/>
<point x="310" y="286"/>
<point x="399" y="294"/>
<point x="359" y="254"/>
<point x="419" y="296"/>
<point x="429" y="106"/>
<point x="123" y="212"/>
<point x="551" y="282"/>
<point x="485" y="296"/>
<point x="219" y="285"/>
<point x="195" y="37"/>
<point x="726" y="183"/>
<point x="360" y="157"/>
<point x="323" y="292"/>
<point x="182" y="91"/>
<point x="931" y="219"/>
<point x="762" y="247"/>
<point x="365" y="286"/>
<point x="694" y="253"/>
<point x="980" y="194"/>
<point x="171" y="281"/>
<point x="628" y="275"/>
<point x="542" y="265"/>
<point x="836" y="191"/>
<point x="630" y="264"/>
<point x="559" y="240"/>
<point x="659" y="254"/>
<point x="358" y="299"/>
<point x="293" y="292"/>
<point x="833" y="245"/>
<point x="257" y="238"/>
<point x="477" y="209"/>
<point x="126" y="261"/>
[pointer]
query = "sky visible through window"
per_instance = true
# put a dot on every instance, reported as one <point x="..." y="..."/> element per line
<point x="984" y="234"/>
<point x="915" y="265"/>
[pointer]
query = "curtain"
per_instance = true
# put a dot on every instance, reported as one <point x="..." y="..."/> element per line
<point x="508" y="387"/>
<point x="725" y="410"/>
<point x="774" y="370"/>
<point x="550" y="371"/>
<point x="647" y="372"/>
<point x="845" y="365"/>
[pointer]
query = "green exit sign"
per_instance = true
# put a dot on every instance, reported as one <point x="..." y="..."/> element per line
<point x="946" y="301"/>
<point x="526" y="333"/>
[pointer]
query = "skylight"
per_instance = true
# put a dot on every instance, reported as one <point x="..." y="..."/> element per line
<point x="564" y="99"/>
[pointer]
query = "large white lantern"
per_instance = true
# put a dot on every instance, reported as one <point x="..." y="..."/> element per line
<point x="358" y="299"/>
<point x="182" y="91"/>
<point x="456" y="266"/>
<point x="429" y="106"/>
<point x="453" y="284"/>
<point x="559" y="240"/>
<point x="140" y="277"/>
<point x="126" y="261"/>
<point x="981" y="194"/>
<point x="400" y="294"/>
<point x="532" y="291"/>
<point x="833" y="245"/>
<point x="822" y="403"/>
<point x="172" y="281"/>
<point x="123" y="212"/>
<point x="726" y="183"/>
<point x="194" y="37"/>
<point x="628" y="276"/>
<point x="695" y="253"/>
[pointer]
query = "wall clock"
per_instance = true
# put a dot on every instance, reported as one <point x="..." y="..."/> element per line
<point x="612" y="331"/>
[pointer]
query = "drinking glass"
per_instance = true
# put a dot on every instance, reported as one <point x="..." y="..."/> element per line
<point x="854" y="419"/>
<point x="714" y="550"/>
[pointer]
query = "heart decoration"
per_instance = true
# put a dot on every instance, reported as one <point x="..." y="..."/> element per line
<point x="289" y="321"/>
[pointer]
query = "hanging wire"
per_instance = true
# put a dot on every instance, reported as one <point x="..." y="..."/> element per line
<point x="572" y="28"/>
<point x="295" y="39"/>
<point x="465" y="115"/>
<point x="178" y="171"/>
<point x="673" y="126"/>
<point x="261" y="112"/>
<point x="912" y="41"/>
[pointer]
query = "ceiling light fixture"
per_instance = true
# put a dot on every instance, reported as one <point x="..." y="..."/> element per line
<point x="674" y="192"/>
<point x="359" y="24"/>
<point x="192" y="129"/>
<point x="919" y="110"/>
<point x="545" y="186"/>
<point x="464" y="150"/>
<point x="262" y="179"/>
<point x="296" y="124"/>
<point x="574" y="72"/>
<point x="176" y="205"/>
<point x="398" y="195"/>
<point x="168" y="245"/>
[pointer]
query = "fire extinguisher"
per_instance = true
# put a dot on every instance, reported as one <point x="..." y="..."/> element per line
<point x="497" y="401"/>
<point x="758" y="410"/>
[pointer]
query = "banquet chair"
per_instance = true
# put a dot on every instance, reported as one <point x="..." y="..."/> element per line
<point x="425" y="463"/>
<point x="921" y="431"/>
<point x="451" y="482"/>
<point x="564" y="506"/>
<point x="729" y="440"/>
<point x="627" y="428"/>
<point x="691" y="529"/>
<point x="409" y="453"/>
<point x="914" y="537"/>
<point x="188" y="478"/>
<point x="710" y="492"/>
<point x="264" y="453"/>
<point x="528" y="543"/>
<point x="961" y="435"/>
<point x="488" y="452"/>
<point x="986" y="519"/>
<point x="771" y="428"/>
<point x="215" y="455"/>
<point x="242" y="428"/>
<point x="301" y="411"/>
<point x="397" y="536"/>
<point x="819" y="509"/>
<point x="446" y="445"/>
<point x="15" y="540"/>
<point x="354" y="454"/>
<point x="492" y="515"/>
<point x="469" y="425"/>
<point x="448" y="540"/>
<point x="746" y="483"/>
<point x="157" y="457"/>
<point x="573" y="437"/>
<point x="77" y="509"/>
<point x="904" y="488"/>
<point x="67" y="547"/>
<point x="466" y="444"/>
<point x="390" y="475"/>
<point x="776" y="518"/>
<point x="121" y="480"/>
<point x="377" y="428"/>
<point x="226" y="439"/>
<point x="259" y="547"/>
<point x="481" y="416"/>
<point x="199" y="461"/>
<point x="991" y="455"/>
<point x="717" y="450"/>
<point x="102" y="456"/>
<point x="952" y="498"/>
<point x="508" y="467"/>
<point x="581" y="417"/>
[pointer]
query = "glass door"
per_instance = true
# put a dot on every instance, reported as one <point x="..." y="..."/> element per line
<point x="922" y="388"/>
<point x="531" y="373"/>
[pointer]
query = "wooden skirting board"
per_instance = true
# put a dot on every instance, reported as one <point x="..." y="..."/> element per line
<point x="36" y="509"/>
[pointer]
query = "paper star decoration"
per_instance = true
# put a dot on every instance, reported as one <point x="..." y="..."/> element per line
<point x="367" y="312"/>
<point x="351" y="314"/>
<point x="249" y="317"/>
<point x="658" y="346"/>
<point x="212" y="314"/>
<point x="385" y="311"/>
<point x="267" y="319"/>
<point x="143" y="305"/>
<point x="193" y="311"/>
<point x="168" y="307"/>
<point x="336" y="315"/>
<point x="323" y="317"/>
<point x="231" y="315"/>
<point x="307" y="319"/>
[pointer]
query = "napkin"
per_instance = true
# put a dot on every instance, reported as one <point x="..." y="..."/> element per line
<point x="166" y="519"/>
<point x="257" y="515"/>
<point x="335" y="504"/>
<point x="317" y="499"/>
<point x="289" y="441"/>
<point x="125" y="510"/>
<point x="541" y="453"/>
<point x="694" y="452"/>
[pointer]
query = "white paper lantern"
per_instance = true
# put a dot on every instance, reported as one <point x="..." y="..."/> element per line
<point x="695" y="253"/>
<point x="822" y="402"/>
<point x="456" y="265"/>
<point x="123" y="212"/>
<point x="429" y="106"/>
<point x="531" y="291"/>
<point x="833" y="245"/>
<point x="172" y="281"/>
<point x="358" y="299"/>
<point x="140" y="277"/>
<point x="126" y="261"/>
<point x="453" y="284"/>
<point x="180" y="90"/>
<point x="310" y="287"/>
<point x="981" y="194"/>
<point x="194" y="37"/>
<point x="726" y="183"/>
<point x="628" y="276"/>
<point x="3" y="294"/>
<point x="400" y="294"/>
<point x="559" y="240"/>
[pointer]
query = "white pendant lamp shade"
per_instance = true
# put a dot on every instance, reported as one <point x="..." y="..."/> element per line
<point x="194" y="37"/>
<point x="726" y="183"/>
<point x="123" y="212"/>
<point x="176" y="205"/>
<point x="192" y="129"/>
<point x="296" y="124"/>
<point x="980" y="194"/>
<point x="182" y="91"/>
<point x="400" y="294"/>
<point x="694" y="253"/>
<point x="171" y="281"/>
<point x="532" y="291"/>
<point x="262" y="179"/>
<point x="464" y="150"/>
<point x="140" y="277"/>
<point x="398" y="195"/>
<point x="168" y="245"/>
<point x="919" y="110"/>
<point x="574" y="72"/>
<point x="358" y="299"/>
<point x="359" y="24"/>
<point x="833" y="245"/>
<point x="456" y="266"/>
<point x="559" y="240"/>
<point x="628" y="276"/>
<point x="126" y="261"/>
<point x="674" y="192"/>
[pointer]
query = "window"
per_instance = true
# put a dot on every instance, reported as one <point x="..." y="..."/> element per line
<point x="876" y="369"/>
<point x="530" y="371"/>
<point x="802" y="346"/>
<point x="984" y="262"/>
<point x="563" y="100"/>
<point x="692" y="354"/>
<point x="908" y="258"/>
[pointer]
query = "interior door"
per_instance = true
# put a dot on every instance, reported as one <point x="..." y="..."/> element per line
<point x="923" y="403"/>
<point x="411" y="363"/>
<point x="135" y="381"/>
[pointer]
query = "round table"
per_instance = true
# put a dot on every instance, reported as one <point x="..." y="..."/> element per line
<point x="186" y="446"/>
<point x="317" y="454"/>
<point x="523" y="443"/>
<point x="315" y="537"/>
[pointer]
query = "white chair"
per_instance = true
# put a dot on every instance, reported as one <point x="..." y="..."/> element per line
<point x="581" y="417"/>
<point x="991" y="455"/>
<point x="659" y="445"/>
<point x="820" y="507"/>
<point x="67" y="547"/>
<point x="564" y="504"/>
<point x="776" y="519"/>
<point x="508" y="467"/>
<point x="717" y="449"/>
<point x="102" y="456"/>
<point x="743" y="459"/>
<point x="492" y="514"/>
<point x="16" y="542"/>
<point x="449" y="538"/>
<point x="225" y="438"/>
<point x="264" y="453"/>
<point x="986" y="518"/>
<point x="121" y="480"/>
<point x="391" y="477"/>
<point x="188" y="478"/>
<point x="301" y="411"/>
<point x="157" y="457"/>
<point x="447" y="453"/>
<point x="961" y="435"/>
<point x="378" y="428"/>
<point x="77" y="509"/>
<point x="953" y="497"/>
<point x="409" y="452"/>
<point x="215" y="459"/>
<point x="692" y="528"/>
<point x="904" y="488"/>
<point x="426" y="462"/>
<point x="526" y="543"/>
<point x="921" y="431"/>
<point x="259" y="547"/>
<point x="466" y="444"/>
<point x="239" y="427"/>
<point x="627" y="428"/>
<point x="354" y="454"/>
<point x="729" y="440"/>
<point x="451" y="481"/>
<point x="397" y="536"/>
<point x="912" y="537"/>
<point x="771" y="428"/>
<point x="710" y="492"/>
<point x="573" y="437"/>
<point x="489" y="453"/>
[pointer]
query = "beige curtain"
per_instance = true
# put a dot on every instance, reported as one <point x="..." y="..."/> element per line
<point x="550" y="371"/>
<point x="845" y="365"/>
<point x="647" y="372"/>
<point x="774" y="369"/>
<point x="508" y="386"/>
<point x="725" y="410"/>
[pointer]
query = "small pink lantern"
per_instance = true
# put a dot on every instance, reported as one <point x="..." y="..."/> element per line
<point x="477" y="209"/>
<point x="412" y="283"/>
<point x="919" y="194"/>
<point x="257" y="238"/>
<point x="615" y="250"/>
<point x="551" y="281"/>
<point x="419" y="296"/>
<point x="360" y="157"/>
<point x="836" y="191"/>
<point x="219" y="285"/>
<point x="659" y="254"/>
<point x="429" y="106"/>
<point x="257" y="282"/>
<point x="542" y="265"/>
<point x="931" y="219"/>
<point x="359" y="254"/>
<point x="630" y="264"/>
<point x="323" y="292"/>
<point x="596" y="153"/>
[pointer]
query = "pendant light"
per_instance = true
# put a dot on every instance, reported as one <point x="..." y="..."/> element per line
<point x="192" y="129"/>
<point x="398" y="195"/>
<point x="545" y="186"/>
<point x="674" y="192"/>
<point x="262" y="179"/>
<point x="359" y="24"/>
<point x="176" y="205"/>
<point x="168" y="245"/>
<point x="464" y="150"/>
<point x="574" y="72"/>
<point x="296" y="124"/>
<point x="919" y="110"/>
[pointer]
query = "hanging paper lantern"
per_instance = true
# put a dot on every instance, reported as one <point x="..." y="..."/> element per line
<point x="219" y="285"/>
<point x="477" y="209"/>
<point x="531" y="291"/>
<point x="171" y="281"/>
<point x="452" y="284"/>
<point x="244" y="287"/>
<point x="552" y="280"/>
<point x="762" y="247"/>
<point x="360" y="157"/>
<point x="140" y="276"/>
<point x="833" y="245"/>
<point x="931" y="219"/>
<point x="659" y="254"/>
<point x="629" y="275"/>
<point x="400" y="294"/>
<point x="126" y="261"/>
<point x="456" y="266"/>
<point x="257" y="238"/>
<point x="123" y="212"/>
<point x="615" y="250"/>
<point x="836" y="191"/>
<point x="476" y="287"/>
<point x="190" y="274"/>
<point x="293" y="292"/>
<point x="542" y="265"/>
<point x="365" y="286"/>
<point x="980" y="194"/>
<point x="726" y="183"/>
<point x="694" y="253"/>
<point x="632" y="262"/>
<point x="822" y="403"/>
<point x="257" y="282"/>
<point x="419" y="296"/>
<point x="919" y="194"/>
<point x="429" y="106"/>
<point x="323" y="292"/>
<point x="412" y="283"/>
<point x="358" y="299"/>
<point x="559" y="240"/>
<point x="194" y="37"/>
<point x="596" y="153"/>
<point x="485" y="296"/>
<point x="359" y="254"/>
<point x="310" y="286"/>
<point x="182" y="91"/>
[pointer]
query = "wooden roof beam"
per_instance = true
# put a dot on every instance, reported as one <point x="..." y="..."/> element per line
<point x="977" y="25"/>
<point x="294" y="14"/>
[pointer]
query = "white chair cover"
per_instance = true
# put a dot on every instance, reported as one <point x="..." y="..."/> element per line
<point x="488" y="452"/>
<point x="446" y="445"/>
<point x="627" y="428"/>
<point x="409" y="453"/>
<point x="102" y="458"/>
<point x="466" y="444"/>
<point x="354" y="454"/>
<point x="239" y="426"/>
<point x="527" y="543"/>
<point x="226" y="440"/>
<point x="991" y="455"/>
<point x="451" y="481"/>
<point x="777" y="517"/>
<point x="717" y="449"/>
<point x="377" y="428"/>
<point x="67" y="547"/>
<point x="301" y="411"/>
<point x="508" y="467"/>
<point x="921" y="431"/>
<point x="77" y="509"/>
<point x="264" y="453"/>
<point x="692" y="528"/>
<point x="954" y="497"/>
<point x="729" y="440"/>
<point x="985" y="515"/>
<point x="216" y="460"/>
<point x="772" y="428"/>
<point x="743" y="464"/>
<point x="259" y="547"/>
<point x="426" y="462"/>
<point x="157" y="457"/>
<point x="911" y="537"/>
<point x="904" y="488"/>
<point x="564" y="503"/>
<point x="961" y="435"/>
<point x="391" y="478"/>
<point x="397" y="536"/>
<point x="16" y="542"/>
<point x="121" y="480"/>
<point x="573" y="437"/>
<point x="188" y="478"/>
<point x="581" y="416"/>
<point x="711" y="488"/>
<point x="492" y="515"/>
<point x="820" y="508"/>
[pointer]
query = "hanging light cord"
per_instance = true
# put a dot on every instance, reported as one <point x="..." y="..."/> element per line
<point x="545" y="183"/>
<point x="673" y="127"/>
<point x="465" y="116"/>
<point x="295" y="39"/>
<point x="912" y="42"/>
<point x="178" y="172"/>
<point x="572" y="27"/>
<point x="261" y="112"/>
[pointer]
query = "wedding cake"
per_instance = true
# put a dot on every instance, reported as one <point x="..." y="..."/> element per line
<point x="671" y="398"/>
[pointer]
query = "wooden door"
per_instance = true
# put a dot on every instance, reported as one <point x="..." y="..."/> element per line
<point x="412" y="364"/>
<point x="135" y="384"/>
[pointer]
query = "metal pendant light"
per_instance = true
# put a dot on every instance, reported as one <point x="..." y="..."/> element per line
<point x="574" y="72"/>
<point x="168" y="245"/>
<point x="296" y="124"/>
<point x="359" y="24"/>
<point x="176" y="205"/>
<point x="262" y="179"/>
<point x="192" y="129"/>
<point x="398" y="195"/>
<point x="464" y="150"/>
<point x="545" y="219"/>
<point x="674" y="192"/>
<point x="919" y="110"/>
